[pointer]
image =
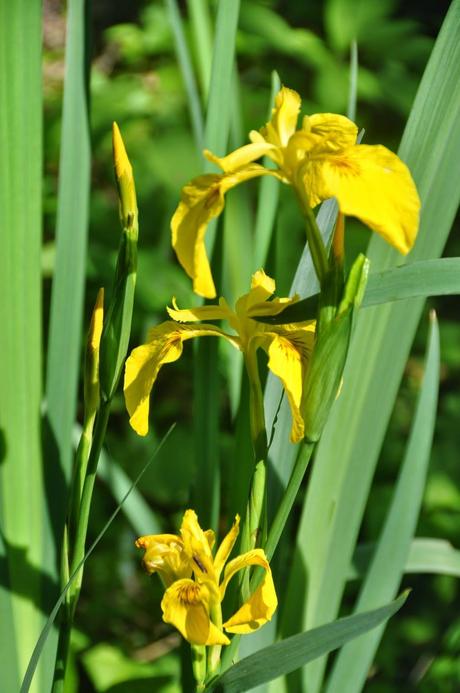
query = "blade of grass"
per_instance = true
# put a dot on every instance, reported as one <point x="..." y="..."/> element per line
<point x="294" y="652"/>
<point x="435" y="556"/>
<point x="206" y="440"/>
<point x="22" y="500"/>
<point x="136" y="509"/>
<point x="340" y="483"/>
<point x="65" y="326"/>
<point x="268" y="197"/>
<point x="186" y="66"/>
<point x="202" y="33"/>
<point x="387" y="567"/>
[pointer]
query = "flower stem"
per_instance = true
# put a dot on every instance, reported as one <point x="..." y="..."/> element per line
<point x="77" y="548"/>
<point x="314" y="240"/>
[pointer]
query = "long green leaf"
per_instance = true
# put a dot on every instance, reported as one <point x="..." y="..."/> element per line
<point x="292" y="653"/>
<point x="22" y="498"/>
<point x="185" y="62"/>
<point x="206" y="409"/>
<point x="419" y="279"/>
<point x="63" y="362"/>
<point x="425" y="278"/>
<point x="351" y="442"/>
<point x="435" y="556"/>
<point x="388" y="562"/>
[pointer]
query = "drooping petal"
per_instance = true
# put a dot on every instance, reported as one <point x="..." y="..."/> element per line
<point x="197" y="546"/>
<point x="261" y="605"/>
<point x="142" y="366"/>
<point x="289" y="350"/>
<point x="226" y="546"/>
<point x="185" y="605"/>
<point x="202" y="200"/>
<point x="164" y="554"/>
<point x="373" y="184"/>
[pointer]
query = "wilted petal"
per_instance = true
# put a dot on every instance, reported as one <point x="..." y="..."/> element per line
<point x="164" y="554"/>
<point x="185" y="605"/>
<point x="262" y="604"/>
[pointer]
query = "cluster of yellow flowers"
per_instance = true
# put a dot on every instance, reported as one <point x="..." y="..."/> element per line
<point x="319" y="160"/>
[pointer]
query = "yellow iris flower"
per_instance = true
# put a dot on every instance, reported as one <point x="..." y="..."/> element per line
<point x="321" y="160"/>
<point x="196" y="587"/>
<point x="288" y="347"/>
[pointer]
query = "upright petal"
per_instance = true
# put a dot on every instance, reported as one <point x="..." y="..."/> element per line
<point x="142" y="366"/>
<point x="202" y="200"/>
<point x="284" y="118"/>
<point x="373" y="184"/>
<point x="185" y="605"/>
<point x="331" y="132"/>
<point x="197" y="546"/>
<point x="289" y="349"/>
<point x="226" y="547"/>
<point x="261" y="605"/>
<point x="164" y="554"/>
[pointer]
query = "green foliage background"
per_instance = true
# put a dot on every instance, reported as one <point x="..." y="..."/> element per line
<point x="135" y="80"/>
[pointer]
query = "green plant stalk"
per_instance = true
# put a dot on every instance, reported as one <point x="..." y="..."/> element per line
<point x="78" y="551"/>
<point x="314" y="240"/>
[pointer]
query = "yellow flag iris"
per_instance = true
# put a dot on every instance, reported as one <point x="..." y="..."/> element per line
<point x="321" y="160"/>
<point x="196" y="582"/>
<point x="288" y="347"/>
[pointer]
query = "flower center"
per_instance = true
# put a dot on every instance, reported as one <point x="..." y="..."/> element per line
<point x="189" y="594"/>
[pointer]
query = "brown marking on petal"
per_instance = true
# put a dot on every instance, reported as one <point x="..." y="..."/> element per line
<point x="189" y="594"/>
<point x="199" y="564"/>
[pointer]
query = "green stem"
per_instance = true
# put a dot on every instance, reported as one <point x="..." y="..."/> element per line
<point x="213" y="651"/>
<point x="314" y="240"/>
<point x="256" y="407"/>
<point x="290" y="494"/>
<point x="78" y="549"/>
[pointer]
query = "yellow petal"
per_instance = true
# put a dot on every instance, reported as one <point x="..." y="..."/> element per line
<point x="284" y="118"/>
<point x="219" y="312"/>
<point x="289" y="350"/>
<point x="373" y="184"/>
<point x="142" y="366"/>
<point x="275" y="307"/>
<point x="261" y="605"/>
<point x="226" y="546"/>
<point x="196" y="544"/>
<point x="241" y="157"/>
<point x="262" y="287"/>
<point x="331" y="132"/>
<point x="164" y="554"/>
<point x="202" y="200"/>
<point x="185" y="605"/>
